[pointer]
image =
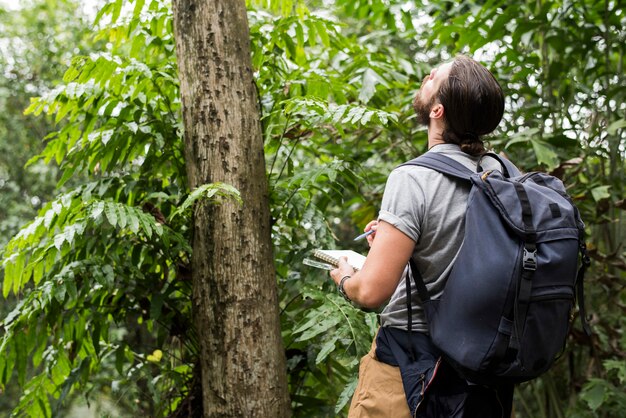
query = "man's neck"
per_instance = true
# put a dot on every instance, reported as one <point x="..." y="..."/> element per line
<point x="435" y="134"/>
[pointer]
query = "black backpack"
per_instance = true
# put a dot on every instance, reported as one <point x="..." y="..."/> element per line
<point x="506" y="308"/>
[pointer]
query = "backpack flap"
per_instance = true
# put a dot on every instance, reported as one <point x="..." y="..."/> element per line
<point x="552" y="214"/>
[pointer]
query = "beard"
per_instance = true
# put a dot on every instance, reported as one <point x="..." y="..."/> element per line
<point x="422" y="107"/>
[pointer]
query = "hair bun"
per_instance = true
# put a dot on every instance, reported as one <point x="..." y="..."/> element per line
<point x="471" y="136"/>
<point x="474" y="148"/>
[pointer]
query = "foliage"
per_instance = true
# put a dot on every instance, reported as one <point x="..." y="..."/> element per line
<point x="36" y="45"/>
<point x="102" y="272"/>
<point x="324" y="124"/>
<point x="38" y="41"/>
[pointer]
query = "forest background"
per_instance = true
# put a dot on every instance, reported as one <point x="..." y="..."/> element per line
<point x="95" y="211"/>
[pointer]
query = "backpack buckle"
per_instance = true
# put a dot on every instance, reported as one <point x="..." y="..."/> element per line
<point x="530" y="260"/>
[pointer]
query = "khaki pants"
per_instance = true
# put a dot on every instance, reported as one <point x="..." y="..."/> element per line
<point x="379" y="393"/>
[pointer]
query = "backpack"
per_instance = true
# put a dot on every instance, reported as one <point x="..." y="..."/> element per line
<point x="505" y="311"/>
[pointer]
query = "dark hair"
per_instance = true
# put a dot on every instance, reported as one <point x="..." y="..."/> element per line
<point x="473" y="102"/>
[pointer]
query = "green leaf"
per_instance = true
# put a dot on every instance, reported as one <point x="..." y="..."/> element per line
<point x="346" y="395"/>
<point x="67" y="174"/>
<point x="96" y="209"/>
<point x="208" y="191"/>
<point x="9" y="359"/>
<point x="95" y="336"/>
<point x="21" y="357"/>
<point x="133" y="222"/>
<point x="615" y="126"/>
<point x="368" y="85"/>
<point x="545" y="154"/>
<point x="600" y="193"/>
<point x="108" y="275"/>
<point x="120" y="359"/>
<point x="60" y="291"/>
<point x="18" y="272"/>
<point x="38" y="271"/>
<point x="63" y="111"/>
<point x="111" y="213"/>
<point x="323" y="33"/>
<point x="594" y="393"/>
<point x="59" y="239"/>
<point x="146" y="224"/>
<point x="616" y="365"/>
<point x="138" y="7"/>
<point x="321" y="325"/>
<point x="326" y="349"/>
<point x="367" y="116"/>
<point x="117" y="9"/>
<point x="70" y="287"/>
<point x="122" y="218"/>
<point x="8" y="276"/>
<point x="156" y="304"/>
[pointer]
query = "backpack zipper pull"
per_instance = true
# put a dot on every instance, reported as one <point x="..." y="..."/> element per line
<point x="485" y="175"/>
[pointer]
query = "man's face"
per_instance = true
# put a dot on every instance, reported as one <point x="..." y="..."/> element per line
<point x="426" y="96"/>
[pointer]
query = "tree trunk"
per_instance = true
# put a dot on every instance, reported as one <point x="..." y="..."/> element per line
<point x="235" y="297"/>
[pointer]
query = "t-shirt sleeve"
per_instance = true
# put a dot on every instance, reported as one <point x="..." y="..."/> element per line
<point x="403" y="202"/>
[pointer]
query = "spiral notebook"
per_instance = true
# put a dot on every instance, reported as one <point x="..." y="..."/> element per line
<point x="332" y="257"/>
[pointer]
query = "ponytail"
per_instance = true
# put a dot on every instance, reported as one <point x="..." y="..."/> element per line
<point x="470" y="143"/>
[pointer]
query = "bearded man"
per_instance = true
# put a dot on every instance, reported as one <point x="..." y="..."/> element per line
<point x="422" y="217"/>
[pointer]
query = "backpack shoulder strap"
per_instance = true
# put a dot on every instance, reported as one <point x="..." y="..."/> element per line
<point x="442" y="164"/>
<point x="450" y="167"/>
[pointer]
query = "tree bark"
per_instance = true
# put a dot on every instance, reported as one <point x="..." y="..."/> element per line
<point x="235" y="297"/>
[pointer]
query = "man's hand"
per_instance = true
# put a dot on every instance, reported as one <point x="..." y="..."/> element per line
<point x="389" y="254"/>
<point x="342" y="271"/>
<point x="372" y="225"/>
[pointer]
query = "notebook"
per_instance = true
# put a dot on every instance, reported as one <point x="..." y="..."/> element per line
<point x="332" y="257"/>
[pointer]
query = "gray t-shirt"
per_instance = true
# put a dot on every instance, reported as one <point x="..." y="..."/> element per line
<point x="429" y="208"/>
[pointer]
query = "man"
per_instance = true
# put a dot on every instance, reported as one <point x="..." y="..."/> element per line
<point x="422" y="216"/>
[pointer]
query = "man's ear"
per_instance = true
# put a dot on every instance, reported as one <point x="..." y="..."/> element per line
<point x="437" y="111"/>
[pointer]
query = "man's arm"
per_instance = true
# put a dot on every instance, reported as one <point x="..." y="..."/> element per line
<point x="375" y="283"/>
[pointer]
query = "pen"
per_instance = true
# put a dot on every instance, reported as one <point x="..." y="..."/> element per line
<point x="365" y="234"/>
